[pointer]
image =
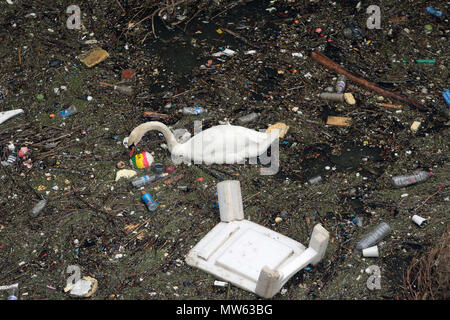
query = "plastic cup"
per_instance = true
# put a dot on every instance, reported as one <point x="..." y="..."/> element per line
<point x="371" y="252"/>
<point x="419" y="220"/>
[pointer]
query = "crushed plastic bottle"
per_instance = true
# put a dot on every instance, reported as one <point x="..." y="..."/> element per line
<point x="68" y="112"/>
<point x="415" y="177"/>
<point x="340" y="84"/>
<point x="352" y="31"/>
<point x="148" y="200"/>
<point x="193" y="110"/>
<point x="315" y="180"/>
<point x="248" y="118"/>
<point x="374" y="237"/>
<point x="446" y="95"/>
<point x="38" y="208"/>
<point x="142" y="181"/>
<point x="434" y="12"/>
<point x="124" y="89"/>
<point x="55" y="63"/>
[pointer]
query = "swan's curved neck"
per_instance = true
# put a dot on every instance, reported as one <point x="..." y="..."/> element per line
<point x="160" y="127"/>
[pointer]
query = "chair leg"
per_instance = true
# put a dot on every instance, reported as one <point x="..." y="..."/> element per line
<point x="230" y="201"/>
<point x="268" y="283"/>
<point x="319" y="242"/>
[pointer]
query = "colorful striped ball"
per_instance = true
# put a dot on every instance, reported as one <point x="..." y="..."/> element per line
<point x="142" y="160"/>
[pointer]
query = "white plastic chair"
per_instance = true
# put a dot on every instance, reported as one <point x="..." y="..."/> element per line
<point x="249" y="255"/>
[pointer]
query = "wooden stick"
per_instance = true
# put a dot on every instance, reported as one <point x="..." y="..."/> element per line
<point x="388" y="105"/>
<point x="106" y="84"/>
<point x="324" y="60"/>
<point x="155" y="114"/>
<point x="121" y="7"/>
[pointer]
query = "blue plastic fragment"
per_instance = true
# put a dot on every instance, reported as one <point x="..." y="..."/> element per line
<point x="434" y="12"/>
<point x="446" y="95"/>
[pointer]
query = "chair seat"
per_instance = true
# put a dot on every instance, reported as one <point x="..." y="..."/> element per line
<point x="237" y="251"/>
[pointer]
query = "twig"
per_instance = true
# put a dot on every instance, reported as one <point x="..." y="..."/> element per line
<point x="239" y="37"/>
<point x="155" y="115"/>
<point x="388" y="105"/>
<point x="198" y="11"/>
<point x="322" y="59"/>
<point x="181" y="93"/>
<point x="124" y="12"/>
<point x="226" y="9"/>
<point x="428" y="198"/>
<point x="252" y="196"/>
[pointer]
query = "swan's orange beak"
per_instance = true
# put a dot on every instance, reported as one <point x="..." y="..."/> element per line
<point x="131" y="151"/>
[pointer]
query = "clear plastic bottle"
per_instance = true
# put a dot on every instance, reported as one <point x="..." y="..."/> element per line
<point x="142" y="181"/>
<point x="14" y="293"/>
<point x="124" y="89"/>
<point x="68" y="112"/>
<point x="332" y="96"/>
<point x="38" y="208"/>
<point x="315" y="180"/>
<point x="12" y="158"/>
<point x="248" y="118"/>
<point x="415" y="177"/>
<point x="340" y="84"/>
<point x="374" y="237"/>
<point x="352" y="32"/>
<point x="193" y="110"/>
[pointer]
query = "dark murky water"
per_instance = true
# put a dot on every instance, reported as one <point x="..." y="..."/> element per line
<point x="319" y="160"/>
<point x="179" y="47"/>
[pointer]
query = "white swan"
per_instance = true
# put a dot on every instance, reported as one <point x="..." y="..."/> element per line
<point x="220" y="144"/>
<point x="5" y="115"/>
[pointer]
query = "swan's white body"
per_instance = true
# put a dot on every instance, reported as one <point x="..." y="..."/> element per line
<point x="5" y="115"/>
<point x="220" y="144"/>
<point x="224" y="144"/>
